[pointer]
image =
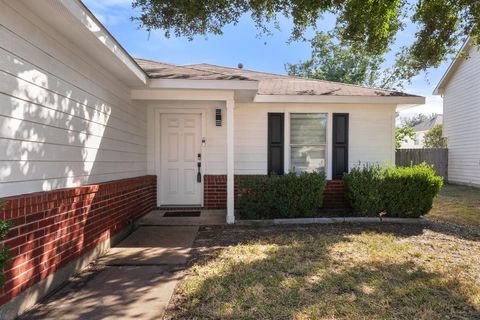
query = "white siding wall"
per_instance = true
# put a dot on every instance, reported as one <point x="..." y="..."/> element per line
<point x="64" y="121"/>
<point x="462" y="121"/>
<point x="371" y="133"/>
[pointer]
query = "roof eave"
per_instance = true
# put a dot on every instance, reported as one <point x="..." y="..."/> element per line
<point x="440" y="88"/>
<point x="83" y="15"/>
<point x="407" y="101"/>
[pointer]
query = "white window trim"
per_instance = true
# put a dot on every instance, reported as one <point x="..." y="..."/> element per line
<point x="287" y="145"/>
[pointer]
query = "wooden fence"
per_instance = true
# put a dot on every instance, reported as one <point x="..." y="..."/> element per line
<point x="436" y="157"/>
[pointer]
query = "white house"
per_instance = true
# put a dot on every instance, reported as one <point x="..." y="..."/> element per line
<point x="91" y="139"/>
<point x="420" y="130"/>
<point x="460" y="89"/>
<point x="77" y="109"/>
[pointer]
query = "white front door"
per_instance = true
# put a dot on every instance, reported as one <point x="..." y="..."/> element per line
<point x="180" y="147"/>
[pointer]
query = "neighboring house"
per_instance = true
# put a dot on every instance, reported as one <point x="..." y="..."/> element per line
<point x="460" y="89"/>
<point x="127" y="135"/>
<point x="420" y="130"/>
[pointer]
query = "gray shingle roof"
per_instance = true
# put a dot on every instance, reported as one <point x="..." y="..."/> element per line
<point x="429" y="124"/>
<point x="269" y="83"/>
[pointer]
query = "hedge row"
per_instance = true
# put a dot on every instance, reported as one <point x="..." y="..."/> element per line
<point x="395" y="191"/>
<point x="287" y="196"/>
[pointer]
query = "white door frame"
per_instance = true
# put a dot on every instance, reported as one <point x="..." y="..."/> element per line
<point x="157" y="142"/>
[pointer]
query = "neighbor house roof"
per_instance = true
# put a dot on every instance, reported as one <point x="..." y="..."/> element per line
<point x="268" y="83"/>
<point x="429" y="124"/>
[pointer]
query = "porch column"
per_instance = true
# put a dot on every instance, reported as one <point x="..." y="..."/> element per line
<point x="230" y="163"/>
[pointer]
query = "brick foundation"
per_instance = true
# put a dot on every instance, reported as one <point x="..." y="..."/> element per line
<point x="215" y="193"/>
<point x="56" y="227"/>
<point x="334" y="196"/>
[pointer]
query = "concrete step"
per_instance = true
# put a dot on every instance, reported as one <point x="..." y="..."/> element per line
<point x="153" y="245"/>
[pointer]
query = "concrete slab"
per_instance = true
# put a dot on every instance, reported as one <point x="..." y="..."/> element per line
<point x="206" y="218"/>
<point x="31" y="296"/>
<point x="331" y="220"/>
<point x="113" y="293"/>
<point x="153" y="246"/>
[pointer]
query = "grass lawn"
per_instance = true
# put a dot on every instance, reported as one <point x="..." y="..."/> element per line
<point x="343" y="271"/>
<point x="459" y="205"/>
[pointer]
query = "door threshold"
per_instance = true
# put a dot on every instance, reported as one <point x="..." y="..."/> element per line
<point x="180" y="207"/>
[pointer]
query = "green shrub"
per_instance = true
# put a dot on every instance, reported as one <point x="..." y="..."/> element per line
<point x="287" y="196"/>
<point x="406" y="192"/>
<point x="4" y="256"/>
<point x="363" y="188"/>
<point x="409" y="191"/>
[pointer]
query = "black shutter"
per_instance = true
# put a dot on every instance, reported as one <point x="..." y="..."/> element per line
<point x="340" y="145"/>
<point x="275" y="143"/>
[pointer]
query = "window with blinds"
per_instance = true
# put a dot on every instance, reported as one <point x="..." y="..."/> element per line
<point x="308" y="142"/>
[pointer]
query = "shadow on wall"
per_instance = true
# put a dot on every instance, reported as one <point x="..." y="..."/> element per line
<point x="55" y="135"/>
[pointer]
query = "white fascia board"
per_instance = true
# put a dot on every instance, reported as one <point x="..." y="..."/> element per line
<point x="405" y="106"/>
<point x="80" y="12"/>
<point x="439" y="89"/>
<point x="415" y="100"/>
<point x="203" y="84"/>
<point x="182" y="94"/>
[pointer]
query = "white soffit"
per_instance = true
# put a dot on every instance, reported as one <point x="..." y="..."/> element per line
<point x="182" y="94"/>
<point x="203" y="84"/>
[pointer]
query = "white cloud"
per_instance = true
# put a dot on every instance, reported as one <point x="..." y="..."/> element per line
<point x="110" y="12"/>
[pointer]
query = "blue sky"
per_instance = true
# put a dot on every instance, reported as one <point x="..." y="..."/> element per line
<point x="240" y="43"/>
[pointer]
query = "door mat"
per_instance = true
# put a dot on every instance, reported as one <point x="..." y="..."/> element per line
<point x="182" y="214"/>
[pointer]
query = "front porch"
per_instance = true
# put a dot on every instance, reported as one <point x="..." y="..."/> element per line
<point x="186" y="146"/>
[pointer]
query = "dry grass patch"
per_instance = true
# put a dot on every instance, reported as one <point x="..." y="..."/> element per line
<point x="331" y="272"/>
<point x="457" y="204"/>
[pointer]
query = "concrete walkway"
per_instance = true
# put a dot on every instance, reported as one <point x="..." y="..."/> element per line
<point x="135" y="280"/>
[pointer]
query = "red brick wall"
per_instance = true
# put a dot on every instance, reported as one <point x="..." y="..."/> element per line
<point x="55" y="227"/>
<point x="215" y="193"/>
<point x="334" y="195"/>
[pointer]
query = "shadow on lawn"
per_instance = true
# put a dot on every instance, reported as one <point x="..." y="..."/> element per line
<point x="298" y="278"/>
<point x="455" y="230"/>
